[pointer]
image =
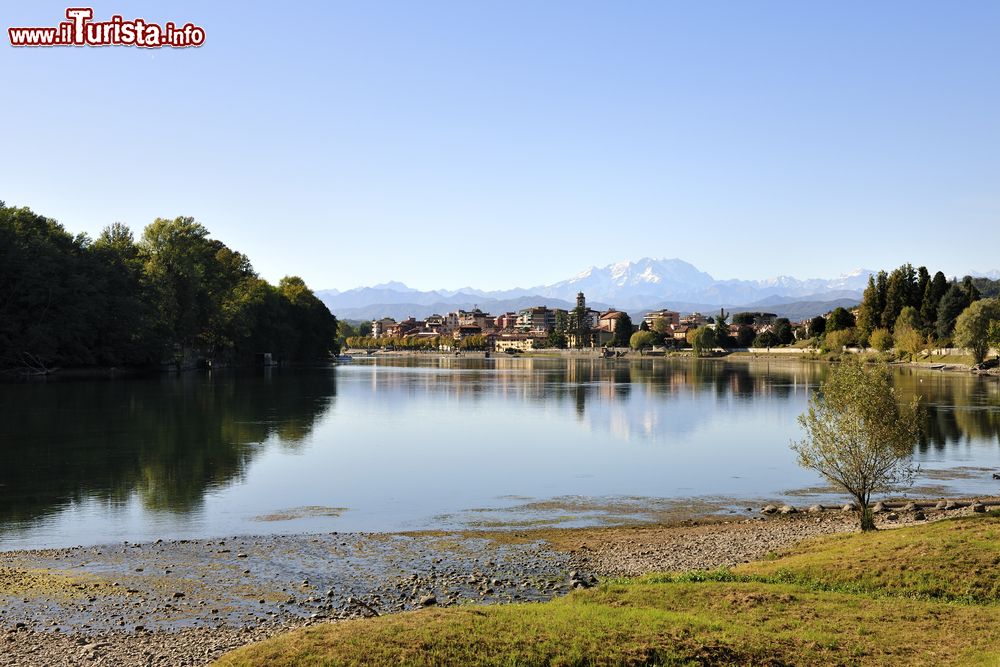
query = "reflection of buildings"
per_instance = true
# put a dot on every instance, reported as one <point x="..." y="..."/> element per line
<point x="629" y="398"/>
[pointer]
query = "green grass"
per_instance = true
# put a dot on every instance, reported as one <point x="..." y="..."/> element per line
<point x="912" y="596"/>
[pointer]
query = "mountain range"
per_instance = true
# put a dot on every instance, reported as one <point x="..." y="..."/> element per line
<point x="635" y="286"/>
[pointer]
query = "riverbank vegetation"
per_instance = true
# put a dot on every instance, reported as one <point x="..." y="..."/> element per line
<point x="846" y="599"/>
<point x="909" y="311"/>
<point x="172" y="295"/>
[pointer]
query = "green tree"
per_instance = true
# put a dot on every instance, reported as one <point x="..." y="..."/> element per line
<point x="817" y="325"/>
<point x="48" y="291"/>
<point x="858" y="435"/>
<point x="972" y="328"/>
<point x="993" y="335"/>
<point x="766" y="339"/>
<point x="783" y="331"/>
<point x="880" y="339"/>
<point x="623" y="331"/>
<point x="722" y="337"/>
<point x="556" y="339"/>
<point x="899" y="294"/>
<point x="954" y="301"/>
<point x="840" y="318"/>
<point x="642" y="340"/>
<point x="933" y="293"/>
<point x="744" y="336"/>
<point x="872" y="304"/>
<point x="908" y="339"/>
<point x="908" y="317"/>
<point x="702" y="340"/>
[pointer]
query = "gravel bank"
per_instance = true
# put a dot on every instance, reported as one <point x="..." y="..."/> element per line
<point x="188" y="602"/>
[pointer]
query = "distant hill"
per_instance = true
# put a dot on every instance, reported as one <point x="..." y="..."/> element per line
<point x="637" y="287"/>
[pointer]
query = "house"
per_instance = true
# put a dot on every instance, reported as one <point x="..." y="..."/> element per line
<point x="405" y="328"/>
<point x="694" y="320"/>
<point x="610" y="319"/>
<point x="475" y="318"/>
<point x="680" y="332"/>
<point x="381" y="327"/>
<point x="536" y="318"/>
<point x="514" y="341"/>
<point x="435" y="323"/>
<point x="672" y="318"/>
<point x="463" y="332"/>
<point x="506" y="321"/>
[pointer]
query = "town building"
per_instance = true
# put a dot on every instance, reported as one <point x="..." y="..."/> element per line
<point x="515" y="341"/>
<point x="381" y="327"/>
<point x="671" y="317"/>
<point x="536" y="318"/>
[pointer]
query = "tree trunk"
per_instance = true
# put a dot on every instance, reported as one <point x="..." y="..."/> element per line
<point x="867" y="518"/>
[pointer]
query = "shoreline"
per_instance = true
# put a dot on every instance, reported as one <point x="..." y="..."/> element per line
<point x="189" y="601"/>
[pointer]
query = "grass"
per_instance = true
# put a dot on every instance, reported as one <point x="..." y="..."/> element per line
<point x="921" y="595"/>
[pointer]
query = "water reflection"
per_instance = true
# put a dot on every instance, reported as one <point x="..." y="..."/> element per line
<point x="167" y="439"/>
<point x="413" y="438"/>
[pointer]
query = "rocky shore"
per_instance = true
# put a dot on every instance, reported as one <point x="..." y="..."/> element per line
<point x="187" y="602"/>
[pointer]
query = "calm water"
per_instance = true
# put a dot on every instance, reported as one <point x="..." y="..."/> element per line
<point x="408" y="444"/>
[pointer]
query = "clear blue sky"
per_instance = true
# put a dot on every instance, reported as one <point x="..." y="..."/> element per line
<point x="501" y="144"/>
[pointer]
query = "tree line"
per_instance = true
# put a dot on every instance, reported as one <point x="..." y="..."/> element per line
<point x="911" y="310"/>
<point x="173" y="294"/>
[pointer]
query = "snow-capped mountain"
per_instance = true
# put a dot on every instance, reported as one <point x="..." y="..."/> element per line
<point x="634" y="285"/>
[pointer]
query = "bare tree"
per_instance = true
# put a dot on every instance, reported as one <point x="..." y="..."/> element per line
<point x="858" y="434"/>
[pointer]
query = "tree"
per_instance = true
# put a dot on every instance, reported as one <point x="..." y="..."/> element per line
<point x="722" y="336"/>
<point x="817" y="325"/>
<point x="556" y="339"/>
<point x="993" y="335"/>
<point x="872" y="303"/>
<point x="579" y="324"/>
<point x="744" y="336"/>
<point x="935" y="289"/>
<point x="644" y="326"/>
<point x="840" y="318"/>
<point x="908" y="339"/>
<point x="899" y="291"/>
<point x="783" y="331"/>
<point x="880" y="339"/>
<point x="954" y="301"/>
<point x="701" y="339"/>
<point x="661" y="326"/>
<point x="972" y="328"/>
<point x="908" y="317"/>
<point x="623" y="331"/>
<point x="837" y="340"/>
<point x="858" y="435"/>
<point x="765" y="339"/>
<point x="642" y="340"/>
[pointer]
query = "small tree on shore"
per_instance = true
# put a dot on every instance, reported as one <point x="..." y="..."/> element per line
<point x="702" y="339"/>
<point x="858" y="435"/>
<point x="972" y="328"/>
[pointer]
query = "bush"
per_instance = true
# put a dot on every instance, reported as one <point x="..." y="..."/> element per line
<point x="834" y="341"/>
<point x="881" y="340"/>
<point x="642" y="340"/>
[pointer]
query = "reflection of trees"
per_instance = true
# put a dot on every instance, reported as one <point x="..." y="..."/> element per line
<point x="168" y="439"/>
<point x="959" y="407"/>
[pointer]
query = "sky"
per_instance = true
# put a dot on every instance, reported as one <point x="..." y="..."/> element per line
<point x="514" y="143"/>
